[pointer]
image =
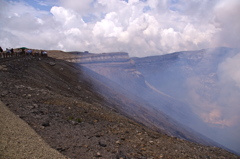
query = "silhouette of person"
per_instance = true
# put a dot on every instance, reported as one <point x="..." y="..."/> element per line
<point x="1" y="52"/>
<point x="12" y="52"/>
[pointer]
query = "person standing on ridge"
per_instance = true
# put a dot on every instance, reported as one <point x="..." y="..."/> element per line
<point x="1" y="52"/>
<point x="11" y="52"/>
<point x="7" y="53"/>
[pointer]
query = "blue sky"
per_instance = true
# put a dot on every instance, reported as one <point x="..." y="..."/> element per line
<point x="39" y="4"/>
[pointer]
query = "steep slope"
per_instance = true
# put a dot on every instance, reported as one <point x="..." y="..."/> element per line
<point x="118" y="68"/>
<point x="204" y="79"/>
<point x="117" y="72"/>
<point x="60" y="102"/>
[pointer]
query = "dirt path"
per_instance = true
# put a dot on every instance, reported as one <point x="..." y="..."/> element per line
<point x="19" y="140"/>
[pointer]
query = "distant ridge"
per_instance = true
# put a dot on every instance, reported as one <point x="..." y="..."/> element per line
<point x="97" y="58"/>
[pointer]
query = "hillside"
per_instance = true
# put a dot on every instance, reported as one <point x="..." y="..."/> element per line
<point x="153" y="108"/>
<point x="61" y="102"/>
<point x="205" y="79"/>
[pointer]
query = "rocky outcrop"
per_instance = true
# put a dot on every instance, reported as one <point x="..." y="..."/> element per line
<point x="99" y="58"/>
<point x="115" y="66"/>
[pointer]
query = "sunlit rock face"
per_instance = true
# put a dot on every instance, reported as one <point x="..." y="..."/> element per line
<point x="98" y="58"/>
<point x="116" y="66"/>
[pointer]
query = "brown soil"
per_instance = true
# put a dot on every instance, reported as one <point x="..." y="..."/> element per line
<point x="57" y="100"/>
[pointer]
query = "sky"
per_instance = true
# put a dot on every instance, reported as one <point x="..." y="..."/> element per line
<point x="139" y="27"/>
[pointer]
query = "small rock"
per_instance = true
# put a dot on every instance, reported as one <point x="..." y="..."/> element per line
<point x="60" y="149"/>
<point x="31" y="107"/>
<point x="98" y="154"/>
<point x="48" y="87"/>
<point x="45" y="124"/>
<point x="20" y="116"/>
<point x="121" y="155"/>
<point x="74" y="122"/>
<point x="102" y="144"/>
<point x="3" y="67"/>
<point x="117" y="142"/>
<point x="52" y="63"/>
<point x="143" y="149"/>
<point x="35" y="105"/>
<point x="4" y="93"/>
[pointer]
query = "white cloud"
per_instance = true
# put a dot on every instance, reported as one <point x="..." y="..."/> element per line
<point x="227" y="15"/>
<point x="229" y="71"/>
<point x="139" y="27"/>
<point x="82" y="7"/>
<point x="108" y="27"/>
<point x="62" y="15"/>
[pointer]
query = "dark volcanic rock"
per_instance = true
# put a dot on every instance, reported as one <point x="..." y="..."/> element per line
<point x="45" y="124"/>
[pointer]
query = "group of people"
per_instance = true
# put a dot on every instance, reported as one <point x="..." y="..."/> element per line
<point x="7" y="53"/>
<point x="21" y="52"/>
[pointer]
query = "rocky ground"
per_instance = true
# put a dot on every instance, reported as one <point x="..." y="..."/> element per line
<point x="57" y="100"/>
<point x="19" y="140"/>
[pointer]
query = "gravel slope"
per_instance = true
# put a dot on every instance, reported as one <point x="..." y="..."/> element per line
<point x="18" y="140"/>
